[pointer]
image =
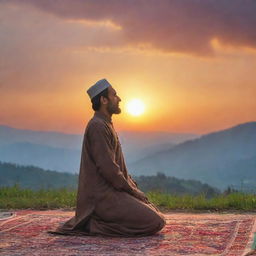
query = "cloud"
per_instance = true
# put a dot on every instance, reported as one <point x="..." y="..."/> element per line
<point x="37" y="48"/>
<point x="186" y="26"/>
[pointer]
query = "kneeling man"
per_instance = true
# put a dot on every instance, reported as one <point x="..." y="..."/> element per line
<point x="109" y="202"/>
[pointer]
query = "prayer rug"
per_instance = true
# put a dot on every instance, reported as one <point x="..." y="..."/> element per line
<point x="185" y="234"/>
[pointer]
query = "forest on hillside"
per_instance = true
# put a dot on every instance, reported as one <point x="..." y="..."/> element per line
<point x="36" y="178"/>
<point x="171" y="185"/>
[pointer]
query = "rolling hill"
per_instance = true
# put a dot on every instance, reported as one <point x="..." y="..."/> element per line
<point x="36" y="178"/>
<point x="220" y="159"/>
<point x="62" y="152"/>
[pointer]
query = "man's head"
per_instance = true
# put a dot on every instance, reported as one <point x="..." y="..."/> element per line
<point x="106" y="100"/>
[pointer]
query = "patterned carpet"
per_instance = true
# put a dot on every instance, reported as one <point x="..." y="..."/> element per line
<point x="24" y="233"/>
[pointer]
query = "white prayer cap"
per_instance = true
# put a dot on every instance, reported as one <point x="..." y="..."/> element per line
<point x="97" y="88"/>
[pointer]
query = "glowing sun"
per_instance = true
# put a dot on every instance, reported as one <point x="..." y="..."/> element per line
<point x="135" y="107"/>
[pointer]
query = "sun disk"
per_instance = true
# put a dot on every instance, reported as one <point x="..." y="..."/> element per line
<point x="135" y="107"/>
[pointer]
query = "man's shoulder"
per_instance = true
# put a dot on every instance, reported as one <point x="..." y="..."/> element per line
<point x="94" y="121"/>
<point x="97" y="123"/>
<point x="97" y="129"/>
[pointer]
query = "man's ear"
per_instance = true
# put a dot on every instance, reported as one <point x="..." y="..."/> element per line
<point x="103" y="100"/>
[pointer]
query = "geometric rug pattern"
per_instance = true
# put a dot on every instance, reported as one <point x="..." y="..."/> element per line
<point x="25" y="233"/>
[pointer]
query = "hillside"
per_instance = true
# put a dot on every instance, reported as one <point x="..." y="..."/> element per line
<point x="62" y="152"/>
<point x="43" y="156"/>
<point x="36" y="178"/>
<point x="11" y="135"/>
<point x="139" y="144"/>
<point x="174" y="186"/>
<point x="220" y="159"/>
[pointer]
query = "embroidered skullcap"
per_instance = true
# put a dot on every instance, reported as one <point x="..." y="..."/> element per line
<point x="98" y="87"/>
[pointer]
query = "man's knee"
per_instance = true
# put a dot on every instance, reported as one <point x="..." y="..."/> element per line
<point x="160" y="223"/>
<point x="157" y="223"/>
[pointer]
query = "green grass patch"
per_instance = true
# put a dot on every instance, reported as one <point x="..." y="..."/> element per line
<point x="19" y="198"/>
<point x="233" y="201"/>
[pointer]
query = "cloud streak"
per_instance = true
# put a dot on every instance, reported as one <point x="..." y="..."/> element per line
<point x="186" y="26"/>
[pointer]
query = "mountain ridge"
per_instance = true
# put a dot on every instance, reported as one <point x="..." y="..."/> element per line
<point x="135" y="146"/>
<point x="212" y="152"/>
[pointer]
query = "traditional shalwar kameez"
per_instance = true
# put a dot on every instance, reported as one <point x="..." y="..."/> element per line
<point x="106" y="204"/>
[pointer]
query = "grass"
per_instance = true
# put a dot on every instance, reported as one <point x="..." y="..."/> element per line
<point x="233" y="201"/>
<point x="18" y="198"/>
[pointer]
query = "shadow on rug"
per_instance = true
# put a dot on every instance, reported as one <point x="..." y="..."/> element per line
<point x="184" y="234"/>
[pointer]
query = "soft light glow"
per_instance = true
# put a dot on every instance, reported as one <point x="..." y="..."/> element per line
<point x="135" y="107"/>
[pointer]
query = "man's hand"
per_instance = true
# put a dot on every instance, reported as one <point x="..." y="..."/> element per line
<point x="140" y="195"/>
<point x="133" y="181"/>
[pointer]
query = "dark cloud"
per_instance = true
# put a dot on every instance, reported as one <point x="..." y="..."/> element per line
<point x="169" y="25"/>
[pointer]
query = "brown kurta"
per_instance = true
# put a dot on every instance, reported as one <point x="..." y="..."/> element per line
<point x="105" y="200"/>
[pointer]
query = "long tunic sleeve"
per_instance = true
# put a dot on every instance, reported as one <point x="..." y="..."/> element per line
<point x="103" y="154"/>
<point x="133" y="181"/>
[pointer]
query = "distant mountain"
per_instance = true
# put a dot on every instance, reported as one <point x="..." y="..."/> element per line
<point x="62" y="152"/>
<point x="137" y="145"/>
<point x="10" y="135"/>
<point x="149" y="138"/>
<point x="37" y="178"/>
<point x="222" y="158"/>
<point x="59" y="159"/>
<point x="134" y="153"/>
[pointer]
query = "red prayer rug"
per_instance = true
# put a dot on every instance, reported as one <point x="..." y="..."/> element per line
<point x="25" y="233"/>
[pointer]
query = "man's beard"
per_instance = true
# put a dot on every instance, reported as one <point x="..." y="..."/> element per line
<point x="113" y="109"/>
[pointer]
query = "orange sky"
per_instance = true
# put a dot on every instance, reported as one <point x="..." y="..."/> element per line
<point x="190" y="82"/>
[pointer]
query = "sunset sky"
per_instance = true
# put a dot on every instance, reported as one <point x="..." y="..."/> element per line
<point x="192" y="62"/>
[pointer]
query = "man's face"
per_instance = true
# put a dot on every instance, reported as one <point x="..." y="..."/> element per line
<point x="113" y="103"/>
